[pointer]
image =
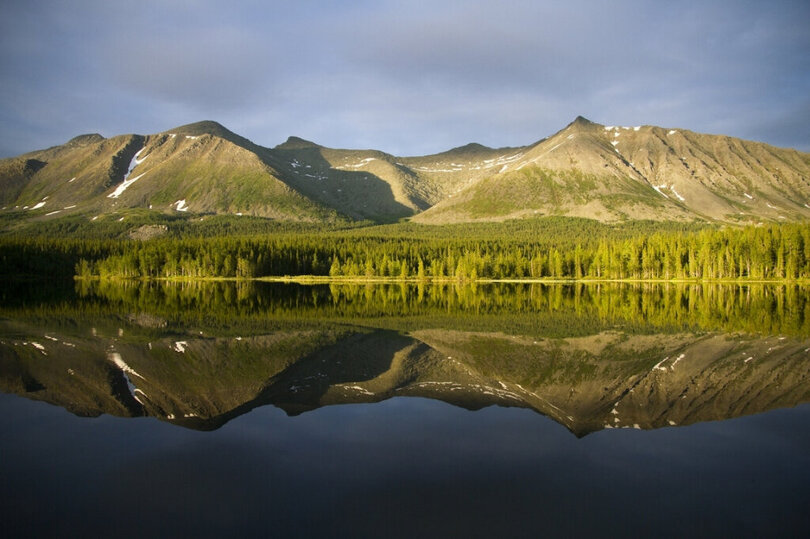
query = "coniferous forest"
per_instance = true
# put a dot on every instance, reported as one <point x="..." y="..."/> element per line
<point x="542" y="249"/>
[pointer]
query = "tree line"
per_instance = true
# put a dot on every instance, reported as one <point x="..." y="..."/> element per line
<point x="768" y="252"/>
<point x="771" y="252"/>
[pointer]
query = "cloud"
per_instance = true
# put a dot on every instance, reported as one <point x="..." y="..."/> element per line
<point x="402" y="76"/>
<point x="620" y="62"/>
<point x="219" y="71"/>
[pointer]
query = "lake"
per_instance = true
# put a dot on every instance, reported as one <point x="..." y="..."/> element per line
<point x="259" y="409"/>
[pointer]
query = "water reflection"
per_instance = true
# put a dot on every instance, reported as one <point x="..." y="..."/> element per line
<point x="755" y="308"/>
<point x="588" y="356"/>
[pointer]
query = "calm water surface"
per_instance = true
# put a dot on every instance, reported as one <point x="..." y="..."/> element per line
<point x="267" y="410"/>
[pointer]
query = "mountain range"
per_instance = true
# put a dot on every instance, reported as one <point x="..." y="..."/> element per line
<point x="607" y="173"/>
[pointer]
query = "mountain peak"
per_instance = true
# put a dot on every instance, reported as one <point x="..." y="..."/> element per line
<point x="210" y="127"/>
<point x="296" y="143"/>
<point x="581" y="121"/>
<point x="86" y="139"/>
<point x="472" y="147"/>
<point x="468" y="149"/>
<point x="206" y="127"/>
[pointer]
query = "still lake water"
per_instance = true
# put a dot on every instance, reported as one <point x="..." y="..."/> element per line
<point x="254" y="409"/>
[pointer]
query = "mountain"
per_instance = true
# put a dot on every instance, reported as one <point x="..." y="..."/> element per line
<point x="607" y="173"/>
<point x="201" y="168"/>
<point x="613" y="173"/>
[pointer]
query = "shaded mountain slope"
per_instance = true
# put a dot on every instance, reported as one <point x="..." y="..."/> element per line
<point x="363" y="184"/>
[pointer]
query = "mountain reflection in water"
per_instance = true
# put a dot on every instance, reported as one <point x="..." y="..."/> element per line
<point x="596" y="356"/>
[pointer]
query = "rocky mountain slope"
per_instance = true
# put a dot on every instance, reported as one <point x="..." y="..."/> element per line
<point x="200" y="168"/>
<point x="589" y="170"/>
<point x="611" y="173"/>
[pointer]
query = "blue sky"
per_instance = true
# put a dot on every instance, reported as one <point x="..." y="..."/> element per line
<point x="408" y="78"/>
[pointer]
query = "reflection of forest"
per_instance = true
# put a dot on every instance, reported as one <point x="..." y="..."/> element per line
<point x="754" y="308"/>
<point x="590" y="357"/>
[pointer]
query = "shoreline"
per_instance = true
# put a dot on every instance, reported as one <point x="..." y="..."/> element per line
<point x="319" y="279"/>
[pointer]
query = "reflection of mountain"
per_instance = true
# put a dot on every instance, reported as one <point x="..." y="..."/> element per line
<point x="607" y="379"/>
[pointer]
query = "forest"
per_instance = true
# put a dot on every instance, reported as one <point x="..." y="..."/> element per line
<point x="542" y="249"/>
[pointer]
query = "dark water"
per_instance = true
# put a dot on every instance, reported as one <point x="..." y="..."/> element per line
<point x="268" y="410"/>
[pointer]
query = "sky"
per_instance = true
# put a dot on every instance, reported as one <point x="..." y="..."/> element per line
<point x="406" y="77"/>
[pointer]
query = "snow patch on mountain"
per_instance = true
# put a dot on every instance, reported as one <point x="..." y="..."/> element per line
<point x="136" y="160"/>
<point x="363" y="162"/>
<point x="123" y="187"/>
<point x="658" y="189"/>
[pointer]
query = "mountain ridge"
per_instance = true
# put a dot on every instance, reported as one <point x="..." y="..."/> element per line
<point x="608" y="173"/>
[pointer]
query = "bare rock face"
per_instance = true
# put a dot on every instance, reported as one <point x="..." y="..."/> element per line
<point x="147" y="232"/>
